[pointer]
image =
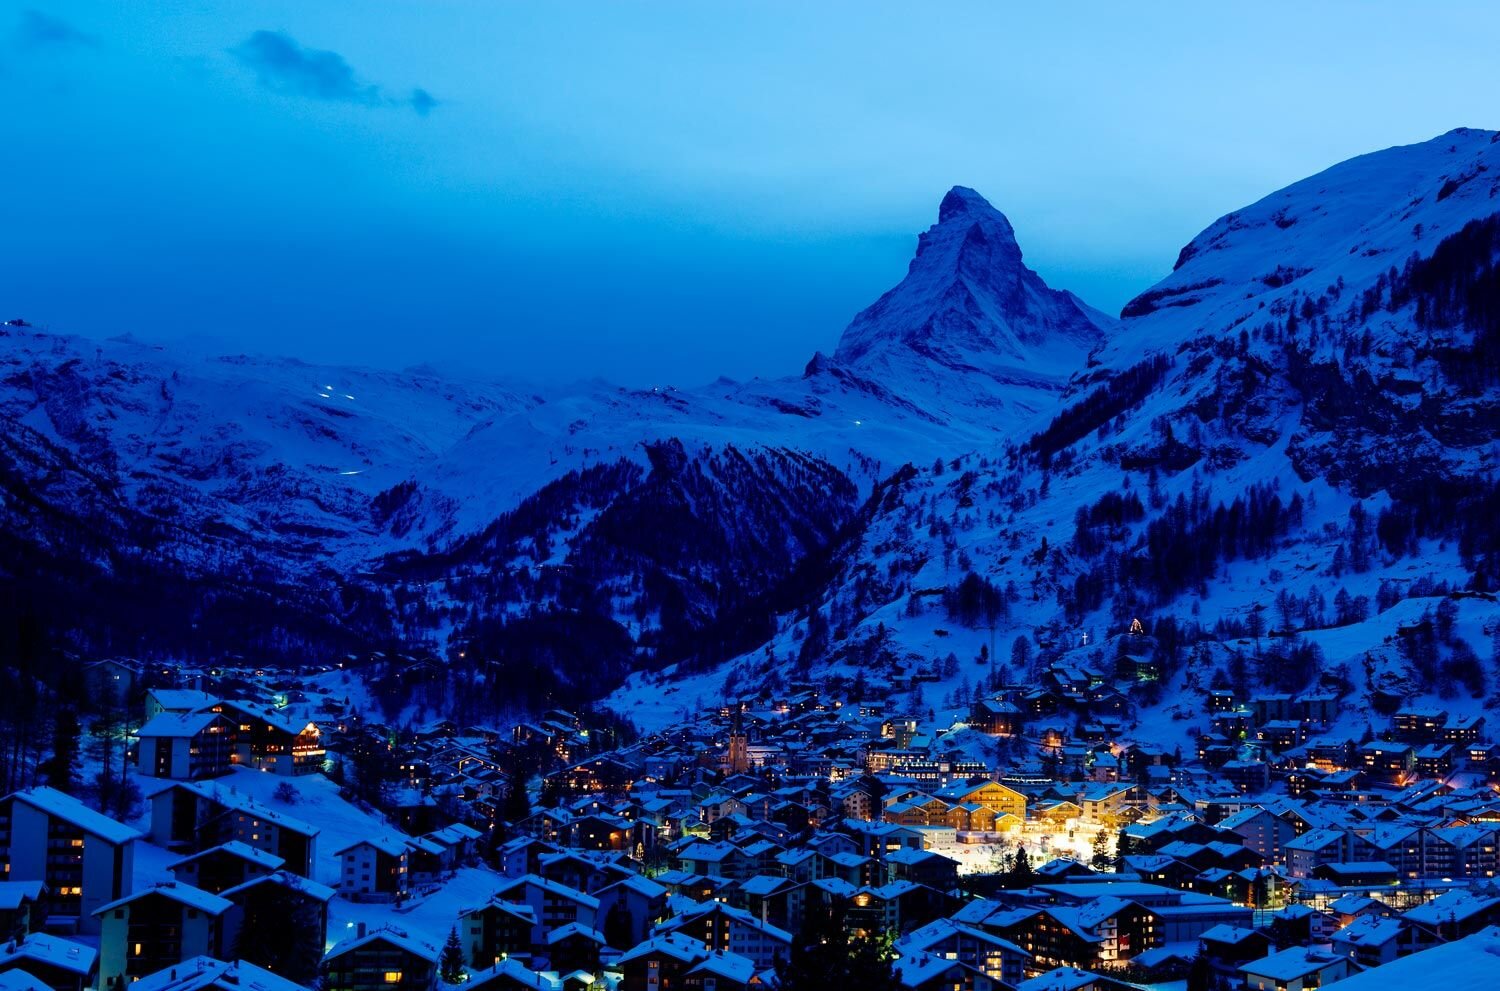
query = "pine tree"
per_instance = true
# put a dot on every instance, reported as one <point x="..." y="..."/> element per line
<point x="281" y="933"/>
<point x="451" y="963"/>
<point x="824" y="956"/>
<point x="58" y="770"/>
<point x="1021" y="875"/>
<point x="1200" y="976"/>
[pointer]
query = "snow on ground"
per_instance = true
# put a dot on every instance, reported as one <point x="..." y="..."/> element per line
<point x="427" y="917"/>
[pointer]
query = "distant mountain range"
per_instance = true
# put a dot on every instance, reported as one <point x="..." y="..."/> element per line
<point x="1304" y="411"/>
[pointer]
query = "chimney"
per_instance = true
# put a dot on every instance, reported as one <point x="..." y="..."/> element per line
<point x="359" y="931"/>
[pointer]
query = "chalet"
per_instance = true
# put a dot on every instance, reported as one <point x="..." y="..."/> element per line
<point x="1463" y="730"/>
<point x="185" y="746"/>
<point x="1297" y="969"/>
<point x="629" y="907"/>
<point x="1281" y="734"/>
<point x="378" y="960"/>
<point x="84" y="859"/>
<point x="498" y="930"/>
<point x="1419" y="725"/>
<point x="265" y="739"/>
<point x="985" y="956"/>
<point x="158" y="927"/>
<point x="112" y="680"/>
<point x="992" y="795"/>
<point x="1249" y="777"/>
<point x="1233" y="945"/>
<point x="1372" y="940"/>
<point x="1265" y="708"/>
<point x="995" y="716"/>
<point x="374" y="869"/>
<point x="923" y="971"/>
<point x="572" y="947"/>
<point x="1107" y="804"/>
<point x="922" y="867"/>
<point x="1435" y="760"/>
<point x="552" y="904"/>
<point x="180" y="701"/>
<point x="1391" y="763"/>
<point x="665" y="961"/>
<point x="1314" y="848"/>
<point x="579" y="871"/>
<point x="723" y="928"/>
<point x="1452" y="915"/>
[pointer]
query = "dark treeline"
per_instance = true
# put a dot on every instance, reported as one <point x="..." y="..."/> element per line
<point x="975" y="601"/>
<point x="1104" y="518"/>
<point x="1121" y="393"/>
<point x="1467" y="509"/>
<point x="1458" y="285"/>
<point x="1183" y="547"/>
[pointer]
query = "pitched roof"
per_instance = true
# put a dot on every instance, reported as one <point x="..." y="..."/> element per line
<point x="206" y="972"/>
<point x="54" y="951"/>
<point x="177" y="891"/>
<point x="172" y="725"/>
<point x="240" y="802"/>
<point x="234" y="848"/>
<point x="390" y="934"/>
<point x="71" y="810"/>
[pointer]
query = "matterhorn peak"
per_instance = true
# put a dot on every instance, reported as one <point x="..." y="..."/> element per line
<point x="970" y="305"/>
<point x="961" y="202"/>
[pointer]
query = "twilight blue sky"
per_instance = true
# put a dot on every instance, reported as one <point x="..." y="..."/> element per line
<point x="653" y="192"/>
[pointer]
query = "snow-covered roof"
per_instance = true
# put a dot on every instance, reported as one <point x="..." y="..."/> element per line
<point x="1462" y="963"/>
<point x="234" y="848"/>
<point x="177" y="724"/>
<point x="512" y="970"/>
<point x="296" y="882"/>
<point x="181" y="699"/>
<point x="240" y="802"/>
<point x="206" y="972"/>
<point x="390" y="934"/>
<point x="1288" y="965"/>
<point x="54" y="951"/>
<point x="177" y="891"/>
<point x="71" y="810"/>
<point x="386" y="843"/>
<point x="14" y="893"/>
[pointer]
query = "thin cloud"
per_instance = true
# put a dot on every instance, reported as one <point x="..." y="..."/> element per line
<point x="422" y="101"/>
<point x="39" y="30"/>
<point x="286" y="66"/>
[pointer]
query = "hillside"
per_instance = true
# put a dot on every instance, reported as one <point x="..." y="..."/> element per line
<point x="1285" y="439"/>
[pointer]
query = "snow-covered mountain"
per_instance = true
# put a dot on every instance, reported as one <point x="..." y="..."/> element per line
<point x="1293" y="434"/>
<point x="971" y="326"/>
<point x="1300" y="417"/>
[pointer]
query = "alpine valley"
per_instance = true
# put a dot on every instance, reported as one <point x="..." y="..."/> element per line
<point x="1274" y="471"/>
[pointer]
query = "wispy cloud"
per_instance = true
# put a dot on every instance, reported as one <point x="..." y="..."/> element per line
<point x="284" y="65"/>
<point x="39" y="30"/>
